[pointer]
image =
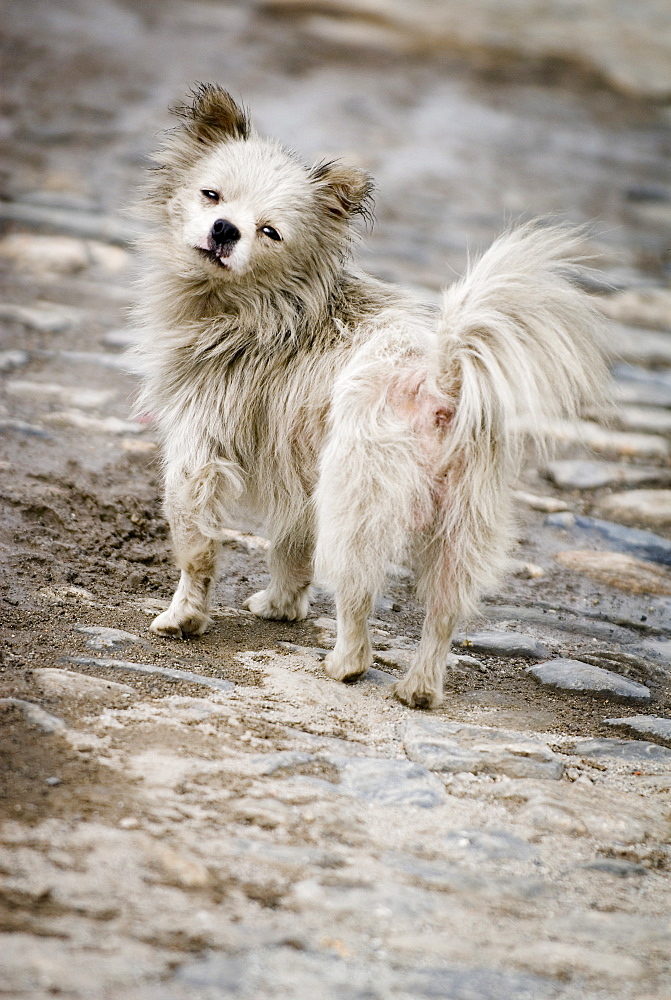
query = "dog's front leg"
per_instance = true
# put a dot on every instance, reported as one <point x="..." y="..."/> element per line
<point x="287" y="597"/>
<point x="198" y="558"/>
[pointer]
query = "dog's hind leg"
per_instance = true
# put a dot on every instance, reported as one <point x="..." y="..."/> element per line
<point x="287" y="596"/>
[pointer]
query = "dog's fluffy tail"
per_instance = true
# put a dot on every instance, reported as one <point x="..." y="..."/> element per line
<point x="519" y="347"/>
<point x="520" y="341"/>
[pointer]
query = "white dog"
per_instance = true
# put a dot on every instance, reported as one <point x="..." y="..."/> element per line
<point x="361" y="427"/>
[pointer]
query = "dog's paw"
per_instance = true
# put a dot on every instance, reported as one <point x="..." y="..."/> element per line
<point x="170" y="625"/>
<point x="264" y="604"/>
<point x="345" y="668"/>
<point x="416" y="695"/>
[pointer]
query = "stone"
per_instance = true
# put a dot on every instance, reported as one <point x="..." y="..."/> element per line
<point x="591" y="435"/>
<point x="66" y="683"/>
<point x="271" y="763"/>
<point x="650" y="725"/>
<point x="628" y="343"/>
<point x="565" y="961"/>
<point x="9" y="360"/>
<point x="651" y="508"/>
<point x="388" y="782"/>
<point x="86" y="399"/>
<point x="618" y="570"/>
<point x="615" y="866"/>
<point x="87" y="225"/>
<point x="641" y="394"/>
<point x="502" y="644"/>
<point x="548" y="505"/>
<point x="643" y="544"/>
<point x="649" y="307"/>
<point x="634" y="750"/>
<point x="107" y="638"/>
<point x="147" y="668"/>
<point x="61" y="254"/>
<point x="95" y="425"/>
<point x="589" y="475"/>
<point x="648" y="419"/>
<point x="23" y="427"/>
<point x="34" y="715"/>
<point x="492" y="845"/>
<point x="121" y="339"/>
<point x="452" y="748"/>
<point x="100" y="359"/>
<point x="574" y="675"/>
<point x="45" y="317"/>
<point x="525" y="570"/>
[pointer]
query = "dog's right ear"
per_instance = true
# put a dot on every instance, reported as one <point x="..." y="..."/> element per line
<point x="213" y="116"/>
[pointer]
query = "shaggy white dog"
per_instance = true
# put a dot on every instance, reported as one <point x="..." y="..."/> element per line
<point x="359" y="426"/>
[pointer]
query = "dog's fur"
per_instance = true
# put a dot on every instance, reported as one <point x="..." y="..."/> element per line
<point x="361" y="427"/>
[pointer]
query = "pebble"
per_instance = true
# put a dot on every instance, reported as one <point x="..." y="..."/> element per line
<point x="649" y="419"/>
<point x="574" y="675"/>
<point x="121" y="339"/>
<point x="64" y="395"/>
<point x="9" y="360"/>
<point x="45" y="317"/>
<point x="58" y="683"/>
<point x="618" y="570"/>
<point x="148" y="668"/>
<point x="106" y="638"/>
<point x="639" y="393"/>
<point x="628" y="343"/>
<point x="649" y="507"/>
<point x="615" y="866"/>
<point x="452" y="747"/>
<point x="596" y="438"/>
<point x="643" y="544"/>
<point x="96" y="425"/>
<point x="101" y="359"/>
<point x="525" y="570"/>
<point x="502" y="644"/>
<point x="388" y="782"/>
<point x="61" y="254"/>
<point x="133" y="446"/>
<point x="651" y="725"/>
<point x="487" y="844"/>
<point x="589" y="475"/>
<point x="35" y="715"/>
<point x="548" y="505"/>
<point x="623" y="749"/>
<point x="22" y="427"/>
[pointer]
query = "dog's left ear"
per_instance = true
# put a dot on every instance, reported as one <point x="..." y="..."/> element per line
<point x="344" y="190"/>
<point x="213" y="115"/>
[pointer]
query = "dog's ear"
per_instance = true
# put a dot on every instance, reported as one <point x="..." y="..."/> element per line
<point x="213" y="115"/>
<point x="344" y="190"/>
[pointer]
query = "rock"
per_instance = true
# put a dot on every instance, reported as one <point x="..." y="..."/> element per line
<point x="650" y="307"/>
<point x="637" y="393"/>
<point x="121" y="339"/>
<point x="388" y="782"/>
<point x="132" y="446"/>
<point x="9" y="360"/>
<point x="271" y="763"/>
<point x="399" y="658"/>
<point x="628" y="343"/>
<point x="656" y="649"/>
<point x="95" y="425"/>
<point x="589" y="475"/>
<point x="648" y="419"/>
<point x="635" y="750"/>
<point x="548" y="505"/>
<point x="22" y="427"/>
<point x="45" y="317"/>
<point x="107" y="638"/>
<point x="643" y="544"/>
<point x="174" y="868"/>
<point x="566" y="961"/>
<point x="59" y="595"/>
<point x="615" y="866"/>
<point x="87" y="225"/>
<point x="605" y="442"/>
<point x="503" y="644"/>
<point x="66" y="683"/>
<point x="380" y="678"/>
<point x="62" y="394"/>
<point x="455" y="747"/>
<point x="61" y="254"/>
<point x="34" y="714"/>
<point x="649" y="507"/>
<point x="633" y="54"/>
<point x="651" y="725"/>
<point x="100" y="359"/>
<point x="487" y="844"/>
<point x="147" y="668"/>
<point x="618" y="570"/>
<point x="574" y="675"/>
<point x="525" y="570"/>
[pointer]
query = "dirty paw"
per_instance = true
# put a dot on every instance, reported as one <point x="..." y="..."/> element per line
<point x="170" y="625"/>
<point x="416" y="696"/>
<point x="290" y="608"/>
<point x="345" y="668"/>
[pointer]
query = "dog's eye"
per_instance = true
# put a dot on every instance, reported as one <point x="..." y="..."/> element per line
<point x="270" y="233"/>
<point x="210" y="195"/>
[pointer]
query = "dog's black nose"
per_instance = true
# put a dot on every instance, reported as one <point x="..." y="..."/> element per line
<point x="224" y="231"/>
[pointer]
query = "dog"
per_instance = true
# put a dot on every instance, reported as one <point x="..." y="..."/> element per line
<point x="361" y="426"/>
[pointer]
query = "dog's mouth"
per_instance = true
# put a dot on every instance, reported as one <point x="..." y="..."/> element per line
<point x="217" y="254"/>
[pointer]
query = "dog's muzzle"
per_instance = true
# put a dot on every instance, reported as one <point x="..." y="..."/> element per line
<point x="220" y="242"/>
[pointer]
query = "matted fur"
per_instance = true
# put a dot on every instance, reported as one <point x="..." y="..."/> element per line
<point x="357" y="425"/>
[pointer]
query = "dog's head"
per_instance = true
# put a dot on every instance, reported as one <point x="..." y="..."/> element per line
<point x="240" y="206"/>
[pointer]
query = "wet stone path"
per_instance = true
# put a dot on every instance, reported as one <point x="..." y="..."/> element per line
<point x="217" y="817"/>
